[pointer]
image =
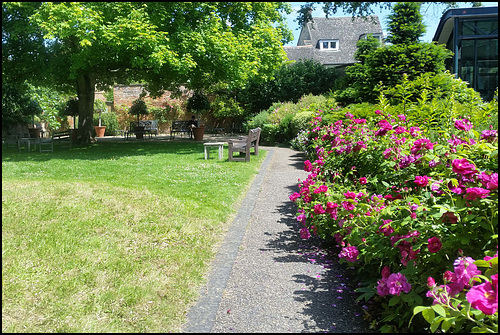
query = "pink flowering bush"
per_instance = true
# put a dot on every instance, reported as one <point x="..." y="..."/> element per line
<point x="468" y="299"/>
<point x="392" y="196"/>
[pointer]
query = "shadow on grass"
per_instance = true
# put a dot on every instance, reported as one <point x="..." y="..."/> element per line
<point x="105" y="150"/>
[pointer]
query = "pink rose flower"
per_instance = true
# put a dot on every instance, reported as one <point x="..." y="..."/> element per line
<point x="321" y="189"/>
<point x="304" y="233"/>
<point x="348" y="206"/>
<point x="463" y="124"/>
<point x="349" y="253"/>
<point x="431" y="282"/>
<point x="474" y="193"/>
<point x="422" y="180"/>
<point x="484" y="297"/>
<point x="307" y="166"/>
<point x="363" y="180"/>
<point x="434" y="244"/>
<point x="318" y="209"/>
<point x="397" y="283"/>
<point x="465" y="270"/>
<point x="462" y="166"/>
<point x="294" y="196"/>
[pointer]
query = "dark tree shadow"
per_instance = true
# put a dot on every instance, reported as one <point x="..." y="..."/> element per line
<point x="329" y="300"/>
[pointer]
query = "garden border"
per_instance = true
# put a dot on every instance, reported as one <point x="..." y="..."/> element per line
<point x="201" y="316"/>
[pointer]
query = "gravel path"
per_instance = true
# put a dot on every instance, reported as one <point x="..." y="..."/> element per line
<point x="265" y="277"/>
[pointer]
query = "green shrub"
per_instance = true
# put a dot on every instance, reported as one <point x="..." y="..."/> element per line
<point x="300" y="121"/>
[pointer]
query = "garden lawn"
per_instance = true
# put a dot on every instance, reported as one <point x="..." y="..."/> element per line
<point x="114" y="237"/>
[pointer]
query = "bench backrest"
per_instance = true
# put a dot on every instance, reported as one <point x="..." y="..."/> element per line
<point x="149" y="124"/>
<point x="253" y="136"/>
<point x="180" y="125"/>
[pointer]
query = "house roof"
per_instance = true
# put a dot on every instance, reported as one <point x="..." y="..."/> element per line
<point x="344" y="29"/>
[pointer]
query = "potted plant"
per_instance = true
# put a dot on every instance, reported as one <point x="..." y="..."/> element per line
<point x="99" y="107"/>
<point x="139" y="107"/>
<point x="198" y="103"/>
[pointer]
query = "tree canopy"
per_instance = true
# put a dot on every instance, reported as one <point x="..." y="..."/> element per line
<point x="162" y="44"/>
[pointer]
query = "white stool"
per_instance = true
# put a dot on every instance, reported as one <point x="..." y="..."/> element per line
<point x="213" y="144"/>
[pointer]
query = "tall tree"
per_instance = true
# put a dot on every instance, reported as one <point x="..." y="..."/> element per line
<point x="164" y="44"/>
<point x="405" y="23"/>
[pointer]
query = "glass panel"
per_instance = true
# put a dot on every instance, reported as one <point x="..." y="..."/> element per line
<point x="333" y="45"/>
<point x="487" y="72"/>
<point x="466" y="62"/>
<point x="486" y="27"/>
<point x="325" y="45"/>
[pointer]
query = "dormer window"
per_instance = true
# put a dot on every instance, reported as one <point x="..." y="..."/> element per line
<point x="332" y="45"/>
<point x="378" y="37"/>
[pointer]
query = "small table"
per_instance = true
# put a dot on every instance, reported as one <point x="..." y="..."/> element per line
<point x="207" y="147"/>
<point x="26" y="140"/>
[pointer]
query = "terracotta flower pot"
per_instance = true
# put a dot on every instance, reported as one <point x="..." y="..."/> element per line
<point x="198" y="133"/>
<point x="99" y="130"/>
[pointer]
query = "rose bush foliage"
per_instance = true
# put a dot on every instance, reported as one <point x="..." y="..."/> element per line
<point x="402" y="207"/>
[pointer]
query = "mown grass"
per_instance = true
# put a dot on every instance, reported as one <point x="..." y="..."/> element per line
<point x="115" y="237"/>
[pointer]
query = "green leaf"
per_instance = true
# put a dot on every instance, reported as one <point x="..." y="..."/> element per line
<point x="447" y="323"/>
<point x="394" y="300"/>
<point x="428" y="315"/>
<point x="440" y="310"/>
<point x="419" y="309"/>
<point x="435" y="323"/>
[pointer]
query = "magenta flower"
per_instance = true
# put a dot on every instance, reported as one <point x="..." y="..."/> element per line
<point x="397" y="283"/>
<point x="402" y="117"/>
<point x="489" y="135"/>
<point x="349" y="253"/>
<point x="321" y="189"/>
<point x="307" y="166"/>
<point x="422" y="180"/>
<point x="331" y="206"/>
<point x="304" y="233"/>
<point x="348" y="206"/>
<point x="474" y="193"/>
<point x="350" y="195"/>
<point x="386" y="272"/>
<point x="421" y="144"/>
<point x="386" y="228"/>
<point x="363" y="180"/>
<point x="434" y="244"/>
<point x="465" y="270"/>
<point x="492" y="184"/>
<point x="462" y="166"/>
<point x="463" y="124"/>
<point x="318" y="209"/>
<point x="294" y="196"/>
<point x="484" y="297"/>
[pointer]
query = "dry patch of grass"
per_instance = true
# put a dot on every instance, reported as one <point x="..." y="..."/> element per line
<point x="101" y="255"/>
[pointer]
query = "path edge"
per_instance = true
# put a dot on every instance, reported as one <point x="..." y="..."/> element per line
<point x="201" y="316"/>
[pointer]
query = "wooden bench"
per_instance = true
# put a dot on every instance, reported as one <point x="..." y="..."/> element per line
<point x="243" y="145"/>
<point x="147" y="127"/>
<point x="181" y="126"/>
<point x="63" y="136"/>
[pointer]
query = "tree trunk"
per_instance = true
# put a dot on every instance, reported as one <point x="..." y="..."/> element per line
<point x="86" y="91"/>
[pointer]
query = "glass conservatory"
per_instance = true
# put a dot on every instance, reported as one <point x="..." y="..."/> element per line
<point x="472" y="35"/>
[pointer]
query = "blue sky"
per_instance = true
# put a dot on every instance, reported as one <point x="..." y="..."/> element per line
<point x="432" y="14"/>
